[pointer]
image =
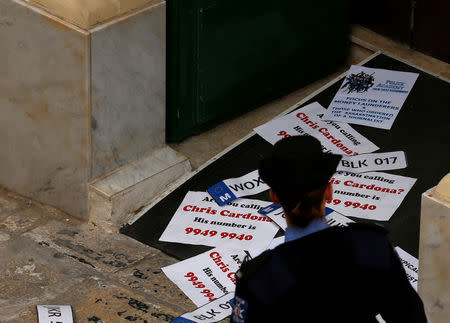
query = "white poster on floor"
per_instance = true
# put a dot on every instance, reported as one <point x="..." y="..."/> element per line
<point x="230" y="189"/>
<point x="334" y="219"/>
<point x="373" y="162"/>
<point x="335" y="137"/>
<point x="275" y="243"/>
<point x="411" y="266"/>
<point x="199" y="220"/>
<point x="54" y="313"/>
<point x="371" y="97"/>
<point x="276" y="213"/>
<point x="210" y="275"/>
<point x="371" y="195"/>
<point x="212" y="312"/>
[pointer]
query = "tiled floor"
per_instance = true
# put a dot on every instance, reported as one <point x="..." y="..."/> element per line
<point x="48" y="257"/>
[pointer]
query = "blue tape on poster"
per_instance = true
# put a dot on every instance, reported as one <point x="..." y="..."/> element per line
<point x="221" y="193"/>
<point x="269" y="209"/>
<point x="182" y="320"/>
<point x="273" y="207"/>
<point x="232" y="188"/>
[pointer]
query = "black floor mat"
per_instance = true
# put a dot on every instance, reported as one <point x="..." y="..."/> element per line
<point x="420" y="129"/>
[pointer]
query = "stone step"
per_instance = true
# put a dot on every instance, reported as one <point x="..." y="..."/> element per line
<point x="118" y="195"/>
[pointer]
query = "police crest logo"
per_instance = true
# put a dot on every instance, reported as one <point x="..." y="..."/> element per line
<point x="360" y="82"/>
<point x="239" y="310"/>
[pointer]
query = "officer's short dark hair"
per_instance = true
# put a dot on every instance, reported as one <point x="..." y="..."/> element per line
<point x="307" y="208"/>
<point x="298" y="171"/>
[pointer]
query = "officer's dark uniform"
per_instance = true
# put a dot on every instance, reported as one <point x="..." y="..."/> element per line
<point x="339" y="274"/>
<point x="335" y="275"/>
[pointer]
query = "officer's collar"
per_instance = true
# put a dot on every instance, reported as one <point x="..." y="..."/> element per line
<point x="294" y="232"/>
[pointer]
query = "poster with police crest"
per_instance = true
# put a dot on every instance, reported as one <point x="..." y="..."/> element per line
<point x="371" y="96"/>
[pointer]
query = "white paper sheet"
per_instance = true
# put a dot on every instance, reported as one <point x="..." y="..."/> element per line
<point x="276" y="213"/>
<point x="371" y="97"/>
<point x="411" y="265"/>
<point x="199" y="220"/>
<point x="275" y="243"/>
<point x="372" y="195"/>
<point x="207" y="276"/>
<point x="212" y="312"/>
<point x="248" y="184"/>
<point x="54" y="313"/>
<point x="334" y="219"/>
<point x="373" y="162"/>
<point x="335" y="137"/>
<point x="230" y="189"/>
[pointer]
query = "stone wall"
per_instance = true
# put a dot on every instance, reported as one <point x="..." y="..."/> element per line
<point x="77" y="103"/>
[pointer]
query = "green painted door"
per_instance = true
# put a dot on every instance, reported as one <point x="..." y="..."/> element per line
<point x="227" y="57"/>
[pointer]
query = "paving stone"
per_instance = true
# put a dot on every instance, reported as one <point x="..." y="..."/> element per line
<point x="24" y="220"/>
<point x="18" y="214"/>
<point x="4" y="236"/>
<point x="105" y="252"/>
<point x="7" y="204"/>
<point x="100" y="301"/>
<point x="148" y="278"/>
<point x="30" y="274"/>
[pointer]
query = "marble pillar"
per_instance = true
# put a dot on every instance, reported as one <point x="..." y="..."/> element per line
<point x="434" y="252"/>
<point x="88" y="13"/>
<point x="44" y="107"/>
<point x="82" y="94"/>
<point x="127" y="89"/>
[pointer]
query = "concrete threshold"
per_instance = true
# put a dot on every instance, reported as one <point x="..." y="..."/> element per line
<point x="117" y="196"/>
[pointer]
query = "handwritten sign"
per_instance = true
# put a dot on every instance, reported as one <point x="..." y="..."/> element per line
<point x="54" y="313"/>
<point x="373" y="162"/>
<point x="335" y="137"/>
<point x="371" y="97"/>
<point x="232" y="188"/>
<point x="199" y="220"/>
<point x="206" y="277"/>
<point x="371" y="195"/>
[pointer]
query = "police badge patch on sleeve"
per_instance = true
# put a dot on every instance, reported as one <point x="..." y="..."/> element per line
<point x="239" y="310"/>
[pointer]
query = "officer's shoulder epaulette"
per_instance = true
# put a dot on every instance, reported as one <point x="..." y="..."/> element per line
<point x="368" y="227"/>
<point x="252" y="266"/>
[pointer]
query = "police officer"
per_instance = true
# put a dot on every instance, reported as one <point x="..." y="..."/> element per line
<point x="321" y="273"/>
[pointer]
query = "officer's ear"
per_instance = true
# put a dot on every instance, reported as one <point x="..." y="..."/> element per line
<point x="274" y="197"/>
